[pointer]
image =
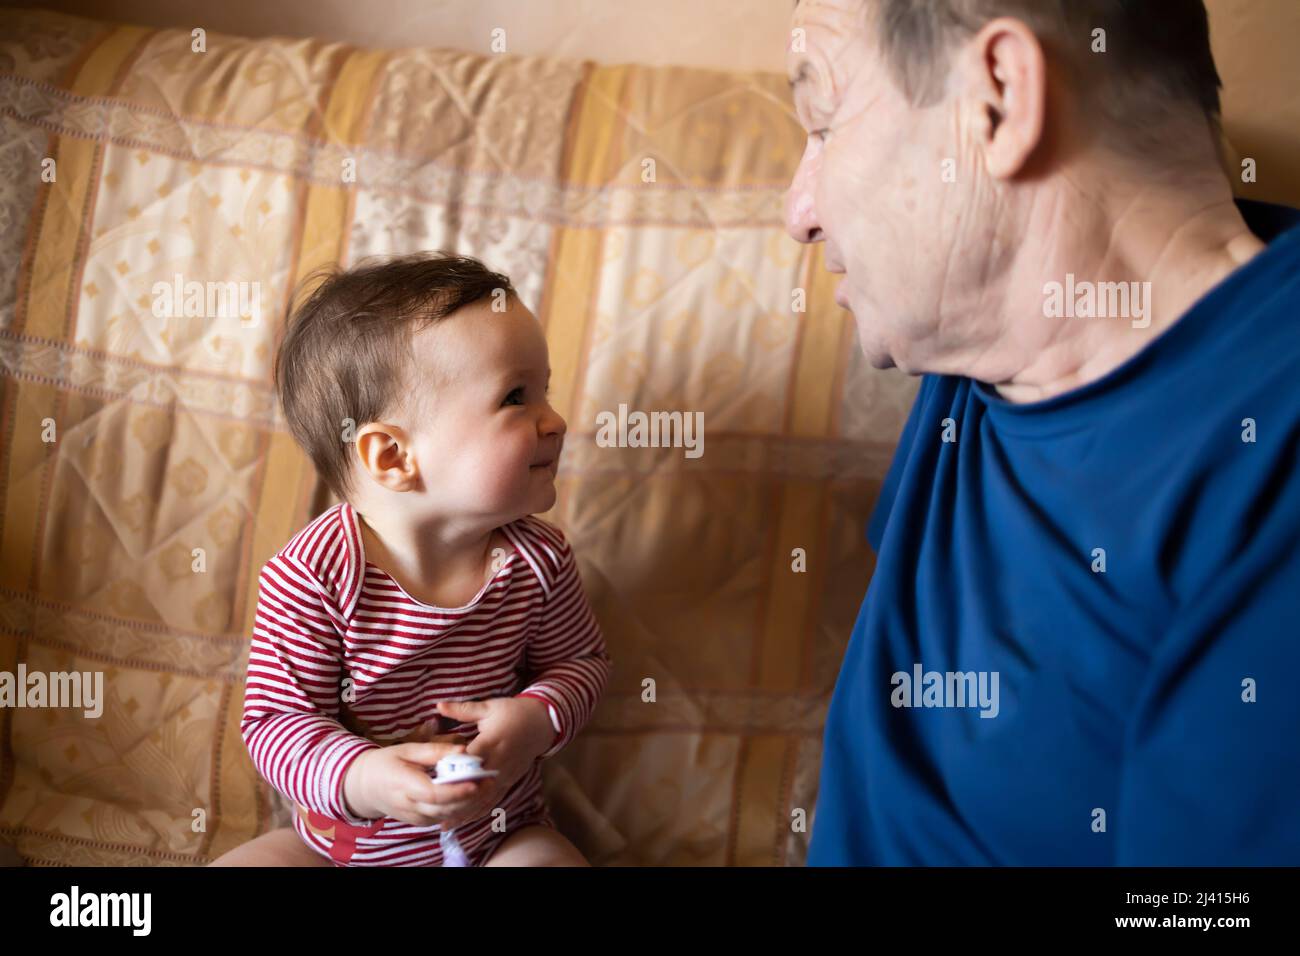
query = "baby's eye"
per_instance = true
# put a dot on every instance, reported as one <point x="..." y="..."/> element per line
<point x="514" y="393"/>
<point x="821" y="134"/>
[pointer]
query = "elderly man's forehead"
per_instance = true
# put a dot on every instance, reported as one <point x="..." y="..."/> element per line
<point x="828" y="27"/>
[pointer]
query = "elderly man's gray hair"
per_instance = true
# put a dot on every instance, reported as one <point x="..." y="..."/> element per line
<point x="1150" y="63"/>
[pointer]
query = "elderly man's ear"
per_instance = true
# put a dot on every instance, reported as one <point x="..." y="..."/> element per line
<point x="387" y="457"/>
<point x="1005" y="89"/>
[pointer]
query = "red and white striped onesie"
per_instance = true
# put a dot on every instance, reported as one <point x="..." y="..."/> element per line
<point x="343" y="660"/>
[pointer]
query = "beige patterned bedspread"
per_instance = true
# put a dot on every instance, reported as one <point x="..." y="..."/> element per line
<point x="133" y="443"/>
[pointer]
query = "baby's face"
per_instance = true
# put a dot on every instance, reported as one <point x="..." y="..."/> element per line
<point x="485" y="436"/>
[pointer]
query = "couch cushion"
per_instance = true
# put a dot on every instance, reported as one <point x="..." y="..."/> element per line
<point x="638" y="211"/>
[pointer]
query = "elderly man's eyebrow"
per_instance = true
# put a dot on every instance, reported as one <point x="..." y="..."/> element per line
<point x="804" y="72"/>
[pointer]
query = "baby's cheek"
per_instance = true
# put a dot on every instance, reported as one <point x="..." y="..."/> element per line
<point x="503" y="471"/>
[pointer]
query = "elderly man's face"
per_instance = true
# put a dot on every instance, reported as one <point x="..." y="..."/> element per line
<point x="870" y="185"/>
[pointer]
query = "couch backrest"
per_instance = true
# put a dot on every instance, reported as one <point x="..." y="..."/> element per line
<point x="639" y="213"/>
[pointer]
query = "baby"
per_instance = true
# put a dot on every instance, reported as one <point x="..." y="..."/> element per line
<point x="427" y="613"/>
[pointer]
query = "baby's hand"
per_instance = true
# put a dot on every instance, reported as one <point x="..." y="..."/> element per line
<point x="394" y="782"/>
<point x="512" y="733"/>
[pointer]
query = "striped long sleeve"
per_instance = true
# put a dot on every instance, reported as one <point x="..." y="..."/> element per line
<point x="292" y="695"/>
<point x="566" y="660"/>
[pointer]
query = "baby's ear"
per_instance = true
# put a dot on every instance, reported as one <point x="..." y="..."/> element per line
<point x="385" y="454"/>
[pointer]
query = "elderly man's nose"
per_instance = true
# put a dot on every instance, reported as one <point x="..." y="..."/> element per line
<point x="800" y="214"/>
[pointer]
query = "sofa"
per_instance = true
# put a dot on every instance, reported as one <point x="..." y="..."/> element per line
<point x="148" y="473"/>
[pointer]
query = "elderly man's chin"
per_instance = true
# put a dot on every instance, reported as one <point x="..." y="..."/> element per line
<point x="881" y="360"/>
<point x="874" y="348"/>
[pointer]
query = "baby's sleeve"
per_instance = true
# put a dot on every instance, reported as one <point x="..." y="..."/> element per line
<point x="292" y="693"/>
<point x="566" y="660"/>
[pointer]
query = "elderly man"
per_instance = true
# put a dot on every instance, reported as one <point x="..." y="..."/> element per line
<point x="1082" y="638"/>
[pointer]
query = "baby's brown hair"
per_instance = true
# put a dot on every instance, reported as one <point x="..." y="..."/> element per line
<point x="346" y="351"/>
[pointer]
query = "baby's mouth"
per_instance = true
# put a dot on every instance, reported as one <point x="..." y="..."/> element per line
<point x="547" y="462"/>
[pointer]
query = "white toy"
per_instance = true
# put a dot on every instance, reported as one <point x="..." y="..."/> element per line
<point x="457" y="768"/>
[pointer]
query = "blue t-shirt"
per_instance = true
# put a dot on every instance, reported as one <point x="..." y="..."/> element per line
<point x="1081" y="643"/>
